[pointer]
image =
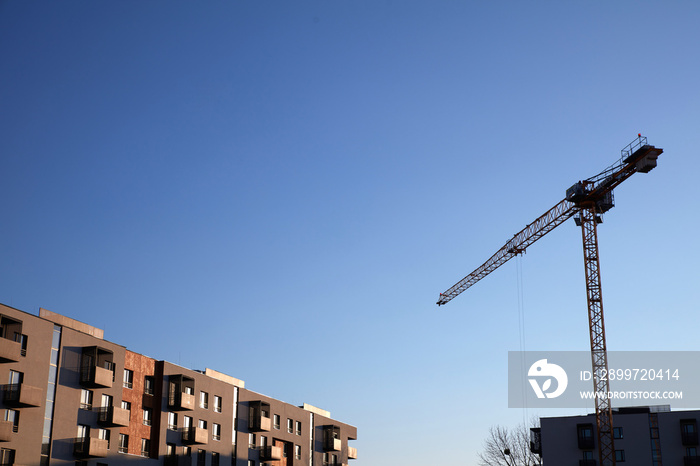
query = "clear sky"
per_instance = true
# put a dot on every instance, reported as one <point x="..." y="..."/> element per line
<point x="279" y="190"/>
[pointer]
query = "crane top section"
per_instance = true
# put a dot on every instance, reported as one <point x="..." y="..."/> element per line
<point x="594" y="193"/>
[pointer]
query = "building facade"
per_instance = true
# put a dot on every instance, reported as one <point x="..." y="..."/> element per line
<point x="652" y="436"/>
<point x="73" y="397"/>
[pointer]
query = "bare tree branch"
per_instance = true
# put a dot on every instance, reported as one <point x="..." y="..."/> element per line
<point x="509" y="447"/>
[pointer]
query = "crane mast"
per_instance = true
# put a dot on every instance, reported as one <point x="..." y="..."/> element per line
<point x="585" y="201"/>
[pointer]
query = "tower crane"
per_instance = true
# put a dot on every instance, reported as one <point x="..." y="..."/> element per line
<point x="585" y="201"/>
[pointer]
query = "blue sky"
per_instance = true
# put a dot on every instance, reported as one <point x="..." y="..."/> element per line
<point x="280" y="190"/>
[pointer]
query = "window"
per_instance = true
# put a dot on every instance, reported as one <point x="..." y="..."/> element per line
<point x="691" y="451"/>
<point x="263" y="441"/>
<point x="289" y="426"/>
<point x="204" y="400"/>
<point x="128" y="378"/>
<point x="23" y="340"/>
<point x="201" y="458"/>
<point x="585" y="436"/>
<point x="297" y="452"/>
<point x="15" y="377"/>
<point x="325" y="459"/>
<point x="172" y="421"/>
<point x="251" y="462"/>
<point x="187" y="451"/>
<point x="297" y="427"/>
<point x="147" y="416"/>
<point x="217" y="404"/>
<point x="214" y="458"/>
<point x="86" y="399"/>
<point x="620" y="456"/>
<point x="617" y="432"/>
<point x="203" y="424"/>
<point x="12" y="415"/>
<point x="216" y="431"/>
<point x="689" y="432"/>
<point x="587" y="455"/>
<point x="123" y="443"/>
<point x="334" y="459"/>
<point x="145" y="447"/>
<point x="149" y="385"/>
<point x="170" y="449"/>
<point x="83" y="431"/>
<point x="251" y="440"/>
<point x="276" y="421"/>
<point x="7" y="456"/>
<point x="106" y="401"/>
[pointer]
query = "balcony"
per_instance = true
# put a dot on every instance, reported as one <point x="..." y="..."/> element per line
<point x="259" y="417"/>
<point x="194" y="435"/>
<point x="10" y="335"/>
<point x="10" y="350"/>
<point x="586" y="462"/>
<point x="331" y="438"/>
<point x="6" y="429"/>
<point x="112" y="416"/>
<point x="270" y="453"/>
<point x="86" y="447"/>
<point x="96" y="367"/>
<point x="22" y="395"/>
<point x="691" y="461"/>
<point x="352" y="453"/>
<point x="181" y="393"/>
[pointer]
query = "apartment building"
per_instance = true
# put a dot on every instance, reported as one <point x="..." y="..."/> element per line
<point x="73" y="397"/>
<point x="652" y="435"/>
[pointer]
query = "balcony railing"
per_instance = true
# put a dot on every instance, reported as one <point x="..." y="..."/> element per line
<point x="95" y="376"/>
<point x="19" y="395"/>
<point x="691" y="461"/>
<point x="10" y="351"/>
<point x="332" y="444"/>
<point x="194" y="435"/>
<point x="181" y="401"/>
<point x="585" y="443"/>
<point x="689" y="438"/>
<point x="6" y="429"/>
<point x="260" y="423"/>
<point x="352" y="453"/>
<point x="270" y="453"/>
<point x="84" y="447"/>
<point x="113" y="416"/>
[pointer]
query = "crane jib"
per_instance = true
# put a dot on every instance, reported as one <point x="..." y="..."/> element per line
<point x="595" y="192"/>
